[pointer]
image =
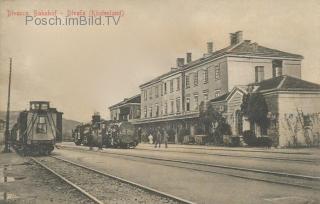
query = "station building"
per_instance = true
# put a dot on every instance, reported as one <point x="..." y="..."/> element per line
<point x="222" y="77"/>
<point x="173" y="99"/>
<point x="126" y="110"/>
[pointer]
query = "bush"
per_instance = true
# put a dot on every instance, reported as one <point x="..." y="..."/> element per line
<point x="264" y="142"/>
<point x="249" y="138"/>
<point x="235" y="141"/>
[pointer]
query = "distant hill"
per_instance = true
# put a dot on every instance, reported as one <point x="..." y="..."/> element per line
<point x="67" y="124"/>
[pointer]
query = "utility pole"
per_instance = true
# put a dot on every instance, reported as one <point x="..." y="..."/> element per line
<point x="7" y="131"/>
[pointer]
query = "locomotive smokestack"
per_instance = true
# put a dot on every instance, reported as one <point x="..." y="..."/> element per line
<point x="96" y="118"/>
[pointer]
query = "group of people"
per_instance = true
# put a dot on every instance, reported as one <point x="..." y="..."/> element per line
<point x="161" y="135"/>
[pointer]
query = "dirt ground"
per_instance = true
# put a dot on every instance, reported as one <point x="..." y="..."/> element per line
<point x="23" y="181"/>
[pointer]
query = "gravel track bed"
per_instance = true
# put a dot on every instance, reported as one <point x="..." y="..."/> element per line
<point x="106" y="189"/>
<point x="69" y="193"/>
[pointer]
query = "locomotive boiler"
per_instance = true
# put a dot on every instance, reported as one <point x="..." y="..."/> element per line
<point x="37" y="129"/>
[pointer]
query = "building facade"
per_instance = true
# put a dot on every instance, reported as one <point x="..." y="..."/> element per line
<point x="126" y="110"/>
<point x="172" y="100"/>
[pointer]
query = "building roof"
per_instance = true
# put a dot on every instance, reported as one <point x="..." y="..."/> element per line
<point x="254" y="49"/>
<point x="228" y="95"/>
<point x="286" y="83"/>
<point x="162" y="76"/>
<point x="244" y="48"/>
<point x="220" y="98"/>
<point x="280" y="83"/>
<point x="133" y="99"/>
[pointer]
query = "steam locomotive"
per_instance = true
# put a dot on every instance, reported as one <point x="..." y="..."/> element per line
<point x="37" y="129"/>
<point x="103" y="133"/>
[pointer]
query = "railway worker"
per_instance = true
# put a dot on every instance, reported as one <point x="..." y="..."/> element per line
<point x="158" y="138"/>
<point x="165" y="138"/>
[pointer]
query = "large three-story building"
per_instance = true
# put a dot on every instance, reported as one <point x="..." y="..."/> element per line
<point x="173" y="99"/>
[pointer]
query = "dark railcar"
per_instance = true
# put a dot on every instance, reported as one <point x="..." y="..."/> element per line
<point x="102" y="133"/>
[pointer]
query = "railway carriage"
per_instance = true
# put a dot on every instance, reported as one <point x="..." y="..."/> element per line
<point x="37" y="129"/>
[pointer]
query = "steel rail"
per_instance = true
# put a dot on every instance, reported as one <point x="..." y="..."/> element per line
<point x="69" y="182"/>
<point x="217" y="172"/>
<point x="146" y="188"/>
<point x="246" y="150"/>
<point x="239" y="156"/>
<point x="282" y="174"/>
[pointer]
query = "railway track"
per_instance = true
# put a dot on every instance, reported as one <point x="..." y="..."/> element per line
<point x="281" y="178"/>
<point x="101" y="187"/>
<point x="275" y="158"/>
<point x="237" y="156"/>
<point x="246" y="150"/>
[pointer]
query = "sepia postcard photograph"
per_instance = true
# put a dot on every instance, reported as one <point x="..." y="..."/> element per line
<point x="159" y="101"/>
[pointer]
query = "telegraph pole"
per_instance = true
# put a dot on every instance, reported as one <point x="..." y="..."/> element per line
<point x="7" y="131"/>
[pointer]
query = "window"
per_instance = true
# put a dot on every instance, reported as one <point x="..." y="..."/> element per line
<point x="205" y="76"/>
<point x="172" y="106"/>
<point x="41" y="125"/>
<point x="150" y="93"/>
<point x="165" y="88"/>
<point x="171" y="85"/>
<point x="217" y="93"/>
<point x="178" y="105"/>
<point x="259" y="70"/>
<point x="187" y="81"/>
<point x="187" y="104"/>
<point x="157" y="91"/>
<point x="205" y="95"/>
<point x="161" y="87"/>
<point x="44" y="106"/>
<point x="145" y="95"/>
<point x="35" y="106"/>
<point x="217" y="72"/>
<point x="178" y="83"/>
<point x="165" y="108"/>
<point x="196" y="101"/>
<point x="145" y="111"/>
<point x="157" y="110"/>
<point x="195" y="79"/>
<point x="150" y="112"/>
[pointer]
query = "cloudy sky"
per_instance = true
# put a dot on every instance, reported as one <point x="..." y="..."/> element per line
<point x="82" y="69"/>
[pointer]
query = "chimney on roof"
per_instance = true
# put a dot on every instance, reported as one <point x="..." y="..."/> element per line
<point x="236" y="37"/>
<point x="189" y="57"/>
<point x="254" y="47"/>
<point x="210" y="47"/>
<point x="180" y="62"/>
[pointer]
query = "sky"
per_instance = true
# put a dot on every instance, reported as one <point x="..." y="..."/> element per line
<point x="86" y="69"/>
